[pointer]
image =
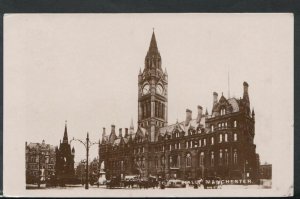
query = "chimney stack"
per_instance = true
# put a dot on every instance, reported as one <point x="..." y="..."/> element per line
<point x="113" y="127"/>
<point x="120" y="132"/>
<point x="188" y="116"/>
<point x="199" y="113"/>
<point x="246" y="85"/>
<point x="126" y="132"/>
<point x="215" y="94"/>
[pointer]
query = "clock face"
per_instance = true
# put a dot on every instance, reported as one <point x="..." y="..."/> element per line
<point x="146" y="89"/>
<point x="159" y="89"/>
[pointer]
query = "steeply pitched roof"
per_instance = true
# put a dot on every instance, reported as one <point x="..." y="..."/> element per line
<point x="234" y="103"/>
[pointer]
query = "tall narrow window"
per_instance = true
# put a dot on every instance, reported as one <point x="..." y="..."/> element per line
<point x="235" y="124"/>
<point x="202" y="159"/>
<point x="188" y="160"/>
<point x="178" y="161"/>
<point x="204" y="142"/>
<point x="235" y="137"/>
<point x="226" y="137"/>
<point x="212" y="128"/>
<point x="145" y="110"/>
<point x="162" y="160"/>
<point x="178" y="145"/>
<point x="143" y="162"/>
<point x="226" y="157"/>
<point x="200" y="143"/>
<point x="171" y="162"/>
<point x="212" y="159"/>
<point x="220" y="138"/>
<point x="235" y="157"/>
<point x="221" y="157"/>
<point x="212" y="140"/>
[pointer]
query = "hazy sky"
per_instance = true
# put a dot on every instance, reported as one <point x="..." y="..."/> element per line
<point x="84" y="68"/>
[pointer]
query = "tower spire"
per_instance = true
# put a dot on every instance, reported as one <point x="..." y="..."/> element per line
<point x="153" y="45"/>
<point x="65" y="138"/>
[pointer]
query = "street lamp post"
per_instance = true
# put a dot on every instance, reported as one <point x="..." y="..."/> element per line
<point x="87" y="144"/>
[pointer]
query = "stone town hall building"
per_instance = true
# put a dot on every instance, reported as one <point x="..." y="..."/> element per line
<point x="220" y="143"/>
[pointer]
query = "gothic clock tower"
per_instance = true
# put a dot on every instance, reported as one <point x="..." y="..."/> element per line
<point x="153" y="93"/>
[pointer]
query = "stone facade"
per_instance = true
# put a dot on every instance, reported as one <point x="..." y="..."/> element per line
<point x="220" y="143"/>
<point x="40" y="161"/>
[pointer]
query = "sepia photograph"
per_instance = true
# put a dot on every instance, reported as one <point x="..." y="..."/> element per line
<point x="149" y="105"/>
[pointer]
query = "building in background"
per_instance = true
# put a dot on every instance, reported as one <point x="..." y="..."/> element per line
<point x="219" y="143"/>
<point x="64" y="168"/>
<point x="265" y="171"/>
<point x="40" y="162"/>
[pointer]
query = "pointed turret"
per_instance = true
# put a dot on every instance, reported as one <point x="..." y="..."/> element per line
<point x="73" y="151"/>
<point x="112" y="135"/>
<point x="153" y="59"/>
<point x="131" y="129"/>
<point x="65" y="138"/>
<point x="153" y="45"/>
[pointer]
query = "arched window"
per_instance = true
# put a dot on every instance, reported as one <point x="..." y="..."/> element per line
<point x="201" y="159"/>
<point x="235" y="157"/>
<point x="212" y="140"/>
<point x="212" y="159"/>
<point x="235" y="124"/>
<point x="188" y="160"/>
<point x="226" y="137"/>
<point x="220" y="157"/>
<point x="178" y="161"/>
<point x="226" y="156"/>
<point x="162" y="160"/>
<point x="143" y="162"/>
<point x="220" y="138"/>
<point x="171" y="161"/>
<point x="212" y="128"/>
<point x="235" y="137"/>
<point x="195" y="143"/>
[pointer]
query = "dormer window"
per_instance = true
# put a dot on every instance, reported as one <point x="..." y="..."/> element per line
<point x="223" y="111"/>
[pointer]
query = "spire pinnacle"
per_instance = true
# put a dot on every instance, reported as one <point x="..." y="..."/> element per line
<point x="153" y="45"/>
<point x="65" y="138"/>
<point x="131" y="124"/>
